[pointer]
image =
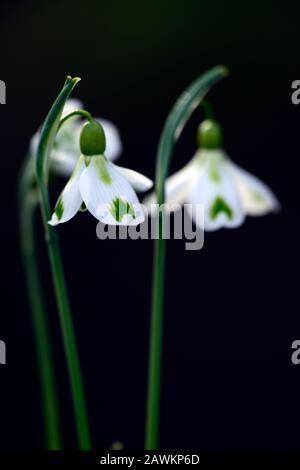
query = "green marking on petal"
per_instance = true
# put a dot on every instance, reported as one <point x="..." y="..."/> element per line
<point x="120" y="208"/>
<point x="102" y="169"/>
<point x="59" y="208"/>
<point x="87" y="161"/>
<point x="75" y="171"/>
<point x="257" y="196"/>
<point x="214" y="173"/>
<point x="219" y="206"/>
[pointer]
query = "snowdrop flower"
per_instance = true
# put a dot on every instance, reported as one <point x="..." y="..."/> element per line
<point x="105" y="189"/>
<point x="65" y="151"/>
<point x="227" y="192"/>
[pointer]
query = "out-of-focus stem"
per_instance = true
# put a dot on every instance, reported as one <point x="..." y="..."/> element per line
<point x="179" y="115"/>
<point x="28" y="202"/>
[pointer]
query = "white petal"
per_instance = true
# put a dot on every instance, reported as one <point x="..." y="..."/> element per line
<point x="64" y="161"/>
<point x="70" y="200"/>
<point x="216" y="190"/>
<point x="66" y="151"/>
<point x="107" y="194"/>
<point x="34" y="143"/>
<point x="138" y="181"/>
<point x="113" y="140"/>
<point x="72" y="104"/>
<point x="257" y="198"/>
<point x="178" y="185"/>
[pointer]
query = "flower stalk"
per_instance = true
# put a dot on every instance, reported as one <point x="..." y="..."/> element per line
<point x="173" y="127"/>
<point x="48" y="133"/>
<point x="28" y="202"/>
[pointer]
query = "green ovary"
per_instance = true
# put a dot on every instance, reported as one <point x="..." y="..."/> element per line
<point x="120" y="208"/>
<point x="220" y="205"/>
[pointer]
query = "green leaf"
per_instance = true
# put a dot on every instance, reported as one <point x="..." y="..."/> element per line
<point x="47" y="136"/>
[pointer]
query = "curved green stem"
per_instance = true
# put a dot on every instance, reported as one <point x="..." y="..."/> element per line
<point x="28" y="202"/>
<point x="78" y="112"/>
<point x="47" y="135"/>
<point x="207" y="109"/>
<point x="173" y="127"/>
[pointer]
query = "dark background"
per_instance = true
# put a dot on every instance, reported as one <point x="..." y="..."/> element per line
<point x="232" y="309"/>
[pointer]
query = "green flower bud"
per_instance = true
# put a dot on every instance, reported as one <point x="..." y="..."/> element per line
<point x="210" y="135"/>
<point x="92" y="139"/>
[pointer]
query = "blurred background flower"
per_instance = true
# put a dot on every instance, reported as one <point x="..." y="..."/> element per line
<point x="66" y="150"/>
<point x="227" y="192"/>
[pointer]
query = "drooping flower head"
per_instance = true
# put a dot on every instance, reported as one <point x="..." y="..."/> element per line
<point x="227" y="192"/>
<point x="106" y="190"/>
<point x="66" y="150"/>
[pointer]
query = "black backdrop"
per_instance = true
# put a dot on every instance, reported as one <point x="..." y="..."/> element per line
<point x="232" y="309"/>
